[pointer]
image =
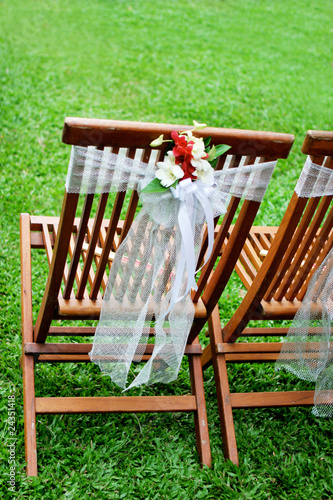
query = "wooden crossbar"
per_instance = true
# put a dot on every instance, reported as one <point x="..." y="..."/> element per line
<point x="80" y="348"/>
<point x="271" y="399"/>
<point x="125" y="404"/>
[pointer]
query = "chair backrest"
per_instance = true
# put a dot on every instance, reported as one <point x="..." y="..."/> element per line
<point x="304" y="238"/>
<point x="79" y="246"/>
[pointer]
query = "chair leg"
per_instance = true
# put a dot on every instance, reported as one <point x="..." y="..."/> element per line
<point x="29" y="415"/>
<point x="222" y="390"/>
<point x="200" y="416"/>
<point x="28" y="360"/>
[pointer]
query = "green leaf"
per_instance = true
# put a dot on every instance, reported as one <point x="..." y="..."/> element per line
<point x="207" y="141"/>
<point x="220" y="149"/>
<point x="154" y="186"/>
<point x="213" y="163"/>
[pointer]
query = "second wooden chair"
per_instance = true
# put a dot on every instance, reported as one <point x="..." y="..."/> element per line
<point x="276" y="265"/>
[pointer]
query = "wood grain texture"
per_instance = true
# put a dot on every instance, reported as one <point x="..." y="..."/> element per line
<point x="116" y="404"/>
<point x="27" y="362"/>
<point x="102" y="133"/>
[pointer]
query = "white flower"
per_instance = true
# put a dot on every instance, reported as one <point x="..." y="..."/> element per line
<point x="198" y="150"/>
<point x="206" y="175"/>
<point x="168" y="172"/>
<point x="199" y="155"/>
<point x="204" y="170"/>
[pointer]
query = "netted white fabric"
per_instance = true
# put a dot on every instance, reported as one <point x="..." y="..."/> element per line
<point x="315" y="180"/>
<point x="150" y="277"/>
<point x="307" y="349"/>
<point x="101" y="171"/>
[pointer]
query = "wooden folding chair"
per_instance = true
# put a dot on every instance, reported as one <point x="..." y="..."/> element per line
<point x="78" y="249"/>
<point x="275" y="265"/>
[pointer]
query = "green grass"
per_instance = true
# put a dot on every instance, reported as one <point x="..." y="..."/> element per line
<point x="257" y="64"/>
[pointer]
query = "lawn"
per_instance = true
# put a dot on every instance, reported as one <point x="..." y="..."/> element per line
<point x="255" y="64"/>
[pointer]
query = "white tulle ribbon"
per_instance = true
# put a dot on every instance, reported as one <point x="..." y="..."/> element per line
<point x="154" y="268"/>
<point x="185" y="191"/>
<point x="307" y="351"/>
<point x="314" y="181"/>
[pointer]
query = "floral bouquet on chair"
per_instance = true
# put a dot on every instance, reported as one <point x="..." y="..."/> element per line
<point x="189" y="157"/>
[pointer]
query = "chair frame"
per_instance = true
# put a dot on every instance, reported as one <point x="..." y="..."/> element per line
<point x="275" y="291"/>
<point x="56" y="237"/>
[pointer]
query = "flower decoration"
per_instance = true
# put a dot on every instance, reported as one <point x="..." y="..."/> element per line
<point x="189" y="157"/>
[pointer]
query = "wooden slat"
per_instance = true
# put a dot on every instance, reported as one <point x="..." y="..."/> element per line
<point x="78" y="270"/>
<point x="47" y="243"/>
<point x="206" y="358"/>
<point x="65" y="270"/>
<point x="261" y="357"/>
<point x="92" y="308"/>
<point x="132" y="206"/>
<point x="78" y="358"/>
<point x="125" y="404"/>
<point x="322" y="245"/>
<point x="107" y="244"/>
<point x="78" y="245"/>
<point x="72" y="330"/>
<point x="80" y="348"/>
<point x="92" y="244"/>
<point x="89" y="330"/>
<point x="96" y="258"/>
<point x="249" y="347"/>
<point x="326" y="249"/>
<point x="248" y="262"/>
<point x="63" y="358"/>
<point x="258" y="244"/>
<point x="50" y="298"/>
<point x="307" y="248"/>
<point x="243" y="275"/>
<point x="288" y="266"/>
<point x="264" y="331"/>
<point x="37" y="240"/>
<point x="272" y="399"/>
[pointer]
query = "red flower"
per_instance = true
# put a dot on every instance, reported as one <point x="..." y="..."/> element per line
<point x="188" y="170"/>
<point x="183" y="154"/>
